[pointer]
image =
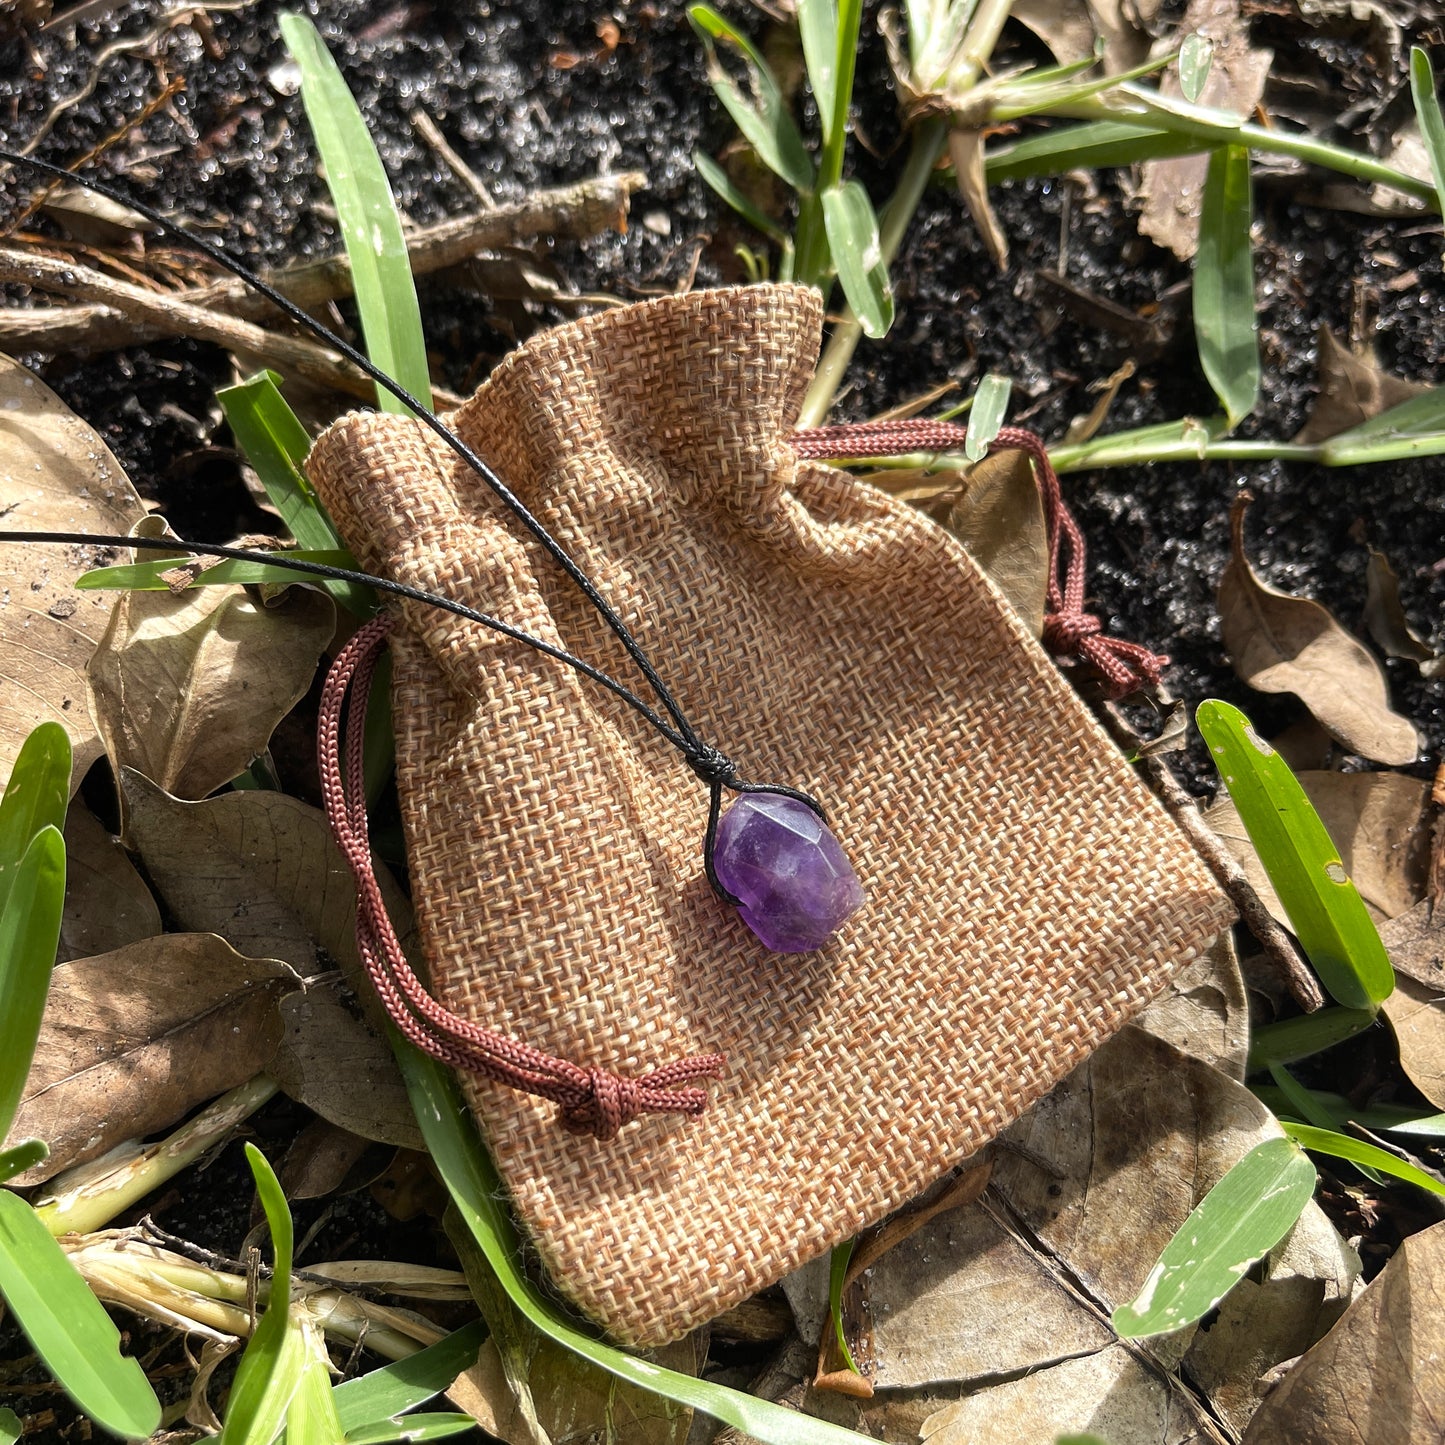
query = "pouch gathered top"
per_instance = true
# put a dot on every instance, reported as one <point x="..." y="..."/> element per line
<point x="1024" y="894"/>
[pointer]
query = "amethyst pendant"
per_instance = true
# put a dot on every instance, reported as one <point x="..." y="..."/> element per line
<point x="794" y="885"/>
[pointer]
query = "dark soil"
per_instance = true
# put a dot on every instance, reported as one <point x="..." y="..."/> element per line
<point x="532" y="92"/>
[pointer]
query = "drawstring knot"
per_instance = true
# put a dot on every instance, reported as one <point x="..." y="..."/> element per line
<point x="609" y="1101"/>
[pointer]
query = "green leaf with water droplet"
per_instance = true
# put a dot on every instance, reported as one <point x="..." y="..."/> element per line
<point x="1239" y="1221"/>
<point x="1325" y="910"/>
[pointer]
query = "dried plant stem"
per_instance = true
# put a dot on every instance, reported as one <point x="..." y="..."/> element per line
<point x="292" y="355"/>
<point x="1280" y="950"/>
<point x="576" y="211"/>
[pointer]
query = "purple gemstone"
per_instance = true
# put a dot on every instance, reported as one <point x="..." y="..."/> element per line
<point x="795" y="886"/>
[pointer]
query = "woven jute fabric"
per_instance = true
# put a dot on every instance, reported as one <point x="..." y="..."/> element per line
<point x="1025" y="895"/>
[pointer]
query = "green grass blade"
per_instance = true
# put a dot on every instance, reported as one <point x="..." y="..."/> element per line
<point x="1304" y="1037"/>
<point x="9" y="1426"/>
<point x="1225" y="327"/>
<point x="1360" y="1154"/>
<point x="1427" y="109"/>
<point x="275" y="1359"/>
<point x="852" y="230"/>
<point x="1414" y="428"/>
<point x="370" y="227"/>
<point x="1196" y="56"/>
<point x="1302" y="1103"/>
<point x="818" y="29"/>
<point x="477" y="1192"/>
<point x="1093" y="145"/>
<point x="29" y="934"/>
<point x="1325" y="911"/>
<point x="36" y="796"/>
<point x="1239" y="1221"/>
<point x="380" y="1396"/>
<point x="837" y="1277"/>
<point x="721" y="182"/>
<point x="150" y="576"/>
<point x="276" y="444"/>
<point x="766" y="124"/>
<point x="434" y="1426"/>
<point x="311" y="1417"/>
<point x="22" y="1156"/>
<point x="68" y="1328"/>
<point x="985" y="416"/>
<point x="849" y="18"/>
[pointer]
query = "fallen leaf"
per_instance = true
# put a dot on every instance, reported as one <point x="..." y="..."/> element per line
<point x="1385" y="618"/>
<point x="965" y="149"/>
<point x="1000" y="519"/>
<point x="333" y="1061"/>
<point x="1280" y="643"/>
<point x="1109" y="1393"/>
<point x="1416" y="1012"/>
<point x="1204" y="1011"/>
<point x="188" y="689"/>
<point x="1379" y="823"/>
<point x="1415" y="941"/>
<point x="107" y="903"/>
<point x="1378" y="1377"/>
<point x="132" y="1040"/>
<point x="259" y="868"/>
<point x="1065" y="26"/>
<point x="1172" y="190"/>
<point x="1110" y="1164"/>
<point x="321" y="1159"/>
<point x="1354" y="387"/>
<point x="55" y="475"/>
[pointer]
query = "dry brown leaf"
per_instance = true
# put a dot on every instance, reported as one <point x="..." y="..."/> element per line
<point x="333" y="1061"/>
<point x="1379" y="823"/>
<point x="1385" y="618"/>
<point x="1109" y="1393"/>
<point x="1172" y="190"/>
<point x="188" y="689"/>
<point x="133" y="1040"/>
<point x="321" y="1161"/>
<point x="258" y="868"/>
<point x="1205" y="1011"/>
<point x="576" y="1403"/>
<point x="1415" y="941"/>
<point x="1417" y="1014"/>
<point x="1280" y="643"/>
<point x="1353" y="388"/>
<point x="1110" y="1164"/>
<point x="1065" y="26"/>
<point x="1378" y="1377"/>
<point x="55" y="475"/>
<point x="965" y="149"/>
<point x="107" y="903"/>
<point x="1000" y="519"/>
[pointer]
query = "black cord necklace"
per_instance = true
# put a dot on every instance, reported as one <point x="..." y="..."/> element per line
<point x="789" y="913"/>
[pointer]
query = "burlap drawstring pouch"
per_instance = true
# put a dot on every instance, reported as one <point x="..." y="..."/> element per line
<point x="1024" y="894"/>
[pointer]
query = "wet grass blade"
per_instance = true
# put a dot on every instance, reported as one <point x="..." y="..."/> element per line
<point x="1362" y="1155"/>
<point x="68" y="1327"/>
<point x="36" y="795"/>
<point x="275" y="1358"/>
<point x="384" y="1394"/>
<point x="477" y="1192"/>
<point x="150" y="576"/>
<point x="1427" y="109"/>
<point x="986" y="414"/>
<point x="29" y="934"/>
<point x="433" y="1426"/>
<point x="1239" y="1221"/>
<point x="852" y="230"/>
<point x="721" y="182"/>
<point x="1092" y="145"/>
<point x="370" y="227"/>
<point x="1224" y="315"/>
<point x="1327" y="914"/>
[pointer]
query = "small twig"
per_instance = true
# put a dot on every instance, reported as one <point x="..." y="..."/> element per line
<point x="431" y="132"/>
<point x="1279" y="948"/>
<point x="576" y="211"/>
<point x="293" y="355"/>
